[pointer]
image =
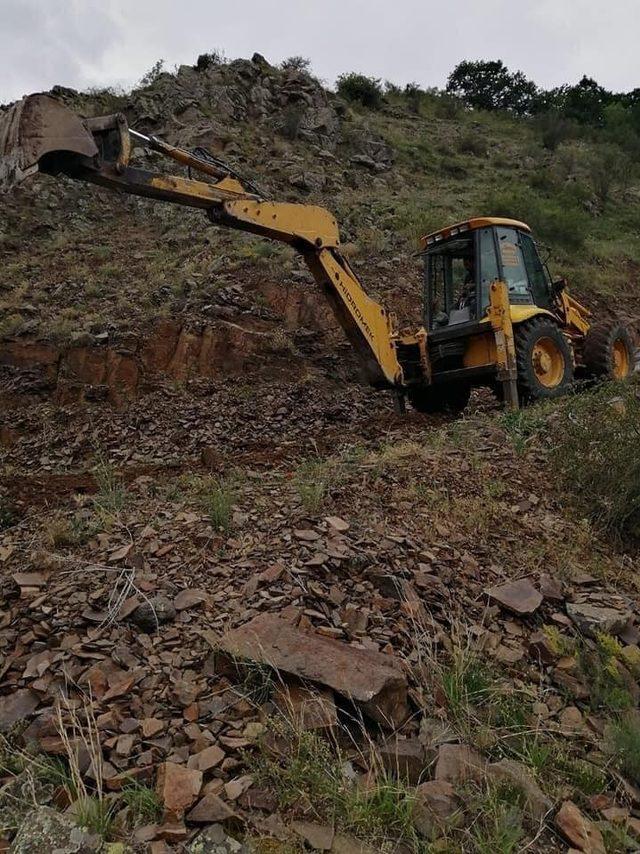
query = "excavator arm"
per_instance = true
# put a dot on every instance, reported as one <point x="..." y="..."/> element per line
<point x="39" y="134"/>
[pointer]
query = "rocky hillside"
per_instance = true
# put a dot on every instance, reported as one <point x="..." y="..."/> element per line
<point x="244" y="606"/>
<point x="99" y="269"/>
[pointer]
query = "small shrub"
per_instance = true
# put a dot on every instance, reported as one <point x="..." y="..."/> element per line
<point x="584" y="776"/>
<point x="148" y="79"/>
<point x="144" y="804"/>
<point x="453" y="167"/>
<point x="498" y="826"/>
<point x="219" y="497"/>
<point x="111" y="492"/>
<point x="382" y="812"/>
<point x="61" y="532"/>
<point x="255" y="680"/>
<point x="557" y="221"/>
<point x="413" y="95"/>
<point x="473" y="143"/>
<point x="554" y="129"/>
<point x="532" y="752"/>
<point x="97" y="815"/>
<point x="608" y="169"/>
<point x="625" y="741"/>
<point x="209" y="60"/>
<point x="523" y="425"/>
<point x="616" y="839"/>
<point x="307" y="771"/>
<point x="361" y="89"/>
<point x="595" y="448"/>
<point x="465" y="682"/>
<point x="296" y="63"/>
<point x="312" y="481"/>
<point x="11" y="325"/>
<point x="600" y="668"/>
<point x="447" y="106"/>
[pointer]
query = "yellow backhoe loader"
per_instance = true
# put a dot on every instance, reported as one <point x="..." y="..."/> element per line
<point x="492" y="314"/>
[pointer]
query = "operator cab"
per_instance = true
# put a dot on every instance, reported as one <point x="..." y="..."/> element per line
<point x="462" y="261"/>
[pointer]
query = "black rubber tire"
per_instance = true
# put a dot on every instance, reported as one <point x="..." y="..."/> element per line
<point x="598" y="351"/>
<point x="527" y="334"/>
<point x="450" y="398"/>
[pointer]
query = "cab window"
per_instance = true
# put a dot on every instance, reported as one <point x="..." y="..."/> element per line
<point x="450" y="282"/>
<point x="514" y="271"/>
<point x="538" y="279"/>
<point x="489" y="271"/>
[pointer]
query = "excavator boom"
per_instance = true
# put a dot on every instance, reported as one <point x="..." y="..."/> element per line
<point x="39" y="134"/>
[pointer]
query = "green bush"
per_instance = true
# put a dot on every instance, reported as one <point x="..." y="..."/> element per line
<point x="609" y="169"/>
<point x="473" y="143"/>
<point x="210" y="60"/>
<point x="595" y="447"/>
<point x="447" y="106"/>
<point x="156" y="71"/>
<point x="361" y="89"/>
<point x="296" y="63"/>
<point x="557" y="221"/>
<point x="413" y="95"/>
<point x="554" y="128"/>
<point x="625" y="737"/>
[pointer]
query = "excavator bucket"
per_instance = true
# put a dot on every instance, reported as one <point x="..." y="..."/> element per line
<point x="34" y="133"/>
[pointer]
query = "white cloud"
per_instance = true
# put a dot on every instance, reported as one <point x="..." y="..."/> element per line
<point x="98" y="42"/>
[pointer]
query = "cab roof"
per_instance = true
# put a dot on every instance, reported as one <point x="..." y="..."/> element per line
<point x="469" y="225"/>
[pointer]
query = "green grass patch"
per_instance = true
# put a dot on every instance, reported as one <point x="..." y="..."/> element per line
<point x="625" y="742"/>
<point x="312" y="479"/>
<point x="499" y="820"/>
<point x="219" y="499"/>
<point x="595" y="447"/>
<point x="144" y="804"/>
<point x="97" y="815"/>
<point x="111" y="494"/>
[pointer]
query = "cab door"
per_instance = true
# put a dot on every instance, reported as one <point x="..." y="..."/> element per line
<point x="539" y="281"/>
<point x="488" y="269"/>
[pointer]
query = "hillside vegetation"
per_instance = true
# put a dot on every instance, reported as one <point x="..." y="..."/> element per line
<point x="393" y="164"/>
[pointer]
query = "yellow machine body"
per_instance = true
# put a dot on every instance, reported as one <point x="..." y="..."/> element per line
<point x="430" y="365"/>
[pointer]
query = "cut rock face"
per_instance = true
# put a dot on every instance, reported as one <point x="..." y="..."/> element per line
<point x="372" y="680"/>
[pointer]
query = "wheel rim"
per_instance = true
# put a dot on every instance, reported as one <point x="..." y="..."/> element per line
<point x="621" y="360"/>
<point x="548" y="362"/>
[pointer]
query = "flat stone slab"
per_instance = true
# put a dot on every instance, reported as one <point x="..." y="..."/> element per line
<point x="372" y="680"/>
<point x="592" y="620"/>
<point x="520" y="596"/>
<point x="16" y="707"/>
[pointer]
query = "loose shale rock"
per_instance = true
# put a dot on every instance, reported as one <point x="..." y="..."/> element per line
<point x="372" y="680"/>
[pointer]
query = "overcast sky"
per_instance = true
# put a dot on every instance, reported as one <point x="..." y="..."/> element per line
<point x="83" y="43"/>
